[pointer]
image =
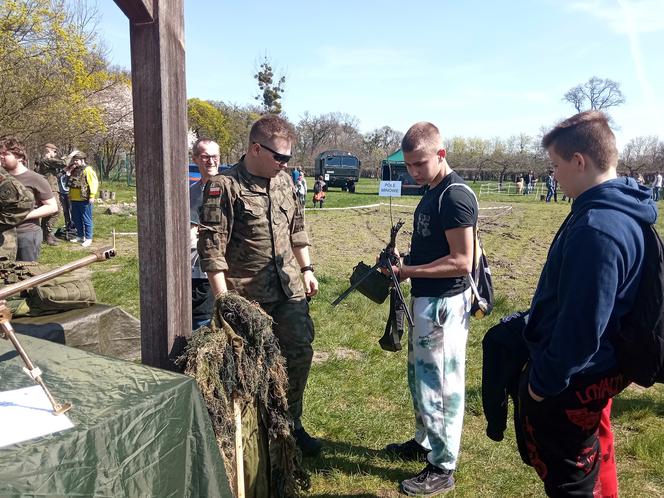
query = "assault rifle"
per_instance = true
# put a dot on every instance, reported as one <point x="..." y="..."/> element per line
<point x="7" y="331"/>
<point x="380" y="286"/>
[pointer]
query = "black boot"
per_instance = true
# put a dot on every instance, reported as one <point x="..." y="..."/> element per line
<point x="410" y="450"/>
<point x="50" y="240"/>
<point x="310" y="446"/>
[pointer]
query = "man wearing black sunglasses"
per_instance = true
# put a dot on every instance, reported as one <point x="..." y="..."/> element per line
<point x="252" y="240"/>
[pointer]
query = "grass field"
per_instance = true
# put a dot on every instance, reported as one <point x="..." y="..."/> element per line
<point x="357" y="400"/>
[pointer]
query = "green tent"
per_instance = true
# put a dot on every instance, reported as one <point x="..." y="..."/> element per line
<point x="395" y="157"/>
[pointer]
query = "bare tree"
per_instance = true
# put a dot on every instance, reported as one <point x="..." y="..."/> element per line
<point x="314" y="133"/>
<point x="595" y="94"/>
<point x="642" y="155"/>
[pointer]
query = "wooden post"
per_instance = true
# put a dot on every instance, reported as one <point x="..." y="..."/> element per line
<point x="160" y="131"/>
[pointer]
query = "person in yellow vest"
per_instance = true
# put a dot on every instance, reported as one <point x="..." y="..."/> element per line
<point x="83" y="188"/>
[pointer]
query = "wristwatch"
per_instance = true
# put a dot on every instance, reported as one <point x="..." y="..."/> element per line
<point x="307" y="268"/>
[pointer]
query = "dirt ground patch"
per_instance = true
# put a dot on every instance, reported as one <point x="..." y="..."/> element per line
<point x="339" y="354"/>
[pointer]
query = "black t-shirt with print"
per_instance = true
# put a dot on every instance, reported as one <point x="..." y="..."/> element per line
<point x="458" y="209"/>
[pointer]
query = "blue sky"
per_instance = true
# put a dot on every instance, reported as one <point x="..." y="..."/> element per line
<point x="474" y="68"/>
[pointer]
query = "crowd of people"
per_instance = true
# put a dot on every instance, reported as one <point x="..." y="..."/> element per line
<point x="248" y="235"/>
<point x="58" y="185"/>
<point x="251" y="238"/>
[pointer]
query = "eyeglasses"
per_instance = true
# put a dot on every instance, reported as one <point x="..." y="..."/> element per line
<point x="206" y="157"/>
<point x="280" y="158"/>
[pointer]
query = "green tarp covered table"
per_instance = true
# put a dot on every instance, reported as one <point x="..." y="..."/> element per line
<point x="101" y="329"/>
<point x="139" y="431"/>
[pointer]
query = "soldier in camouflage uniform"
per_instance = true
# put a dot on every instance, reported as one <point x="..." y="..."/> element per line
<point x="50" y="166"/>
<point x="252" y="240"/>
<point x="16" y="202"/>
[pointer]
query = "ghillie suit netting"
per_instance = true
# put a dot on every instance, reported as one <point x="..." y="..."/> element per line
<point x="238" y="355"/>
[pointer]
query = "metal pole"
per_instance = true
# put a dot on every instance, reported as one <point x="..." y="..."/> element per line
<point x="7" y="332"/>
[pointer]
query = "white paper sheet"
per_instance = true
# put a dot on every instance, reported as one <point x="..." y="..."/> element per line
<point x="26" y="414"/>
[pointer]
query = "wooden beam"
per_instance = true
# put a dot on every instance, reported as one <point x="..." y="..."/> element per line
<point x="137" y="11"/>
<point x="160" y="130"/>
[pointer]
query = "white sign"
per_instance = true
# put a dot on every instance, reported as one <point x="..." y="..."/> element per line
<point x="327" y="177"/>
<point x="26" y="414"/>
<point x="390" y="189"/>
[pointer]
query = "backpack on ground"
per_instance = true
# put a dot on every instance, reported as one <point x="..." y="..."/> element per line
<point x="639" y="341"/>
<point x="480" y="279"/>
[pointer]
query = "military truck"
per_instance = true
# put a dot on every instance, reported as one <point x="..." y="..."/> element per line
<point x="338" y="168"/>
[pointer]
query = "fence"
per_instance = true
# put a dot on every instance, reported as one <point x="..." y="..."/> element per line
<point x="511" y="189"/>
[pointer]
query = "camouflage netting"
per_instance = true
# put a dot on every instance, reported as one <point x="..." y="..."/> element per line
<point x="239" y="355"/>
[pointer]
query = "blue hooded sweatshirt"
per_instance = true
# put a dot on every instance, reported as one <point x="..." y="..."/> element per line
<point x="589" y="281"/>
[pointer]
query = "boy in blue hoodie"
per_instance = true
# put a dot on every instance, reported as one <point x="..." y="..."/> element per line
<point x="589" y="281"/>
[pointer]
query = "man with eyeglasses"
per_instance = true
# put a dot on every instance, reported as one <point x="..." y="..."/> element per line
<point x="252" y="240"/>
<point x="205" y="154"/>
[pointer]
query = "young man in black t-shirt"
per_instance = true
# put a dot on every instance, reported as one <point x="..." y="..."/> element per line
<point x="438" y="265"/>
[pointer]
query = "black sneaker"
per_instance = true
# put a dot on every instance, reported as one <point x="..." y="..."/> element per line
<point x="410" y="450"/>
<point x="431" y="481"/>
<point x="309" y="446"/>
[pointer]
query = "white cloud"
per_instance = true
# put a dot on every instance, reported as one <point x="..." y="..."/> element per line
<point x="647" y="16"/>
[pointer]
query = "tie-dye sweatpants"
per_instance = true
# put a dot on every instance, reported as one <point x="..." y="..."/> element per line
<point x="436" y="373"/>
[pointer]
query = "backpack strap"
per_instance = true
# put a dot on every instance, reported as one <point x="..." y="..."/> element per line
<point x="440" y="204"/>
<point x="440" y="199"/>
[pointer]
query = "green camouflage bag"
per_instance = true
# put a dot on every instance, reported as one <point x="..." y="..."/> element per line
<point x="70" y="291"/>
<point x="66" y="292"/>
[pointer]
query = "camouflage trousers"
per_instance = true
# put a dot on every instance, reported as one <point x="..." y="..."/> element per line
<point x="8" y="242"/>
<point x="294" y="330"/>
<point x="436" y="374"/>
<point x="48" y="222"/>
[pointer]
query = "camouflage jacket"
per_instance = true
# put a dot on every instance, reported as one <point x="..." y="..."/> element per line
<point x="78" y="182"/>
<point x="248" y="228"/>
<point x="49" y="169"/>
<point x="16" y="201"/>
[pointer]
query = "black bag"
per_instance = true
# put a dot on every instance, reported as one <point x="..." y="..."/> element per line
<point x="376" y="286"/>
<point x="480" y="275"/>
<point x="317" y="187"/>
<point x="396" y="324"/>
<point x="639" y="341"/>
